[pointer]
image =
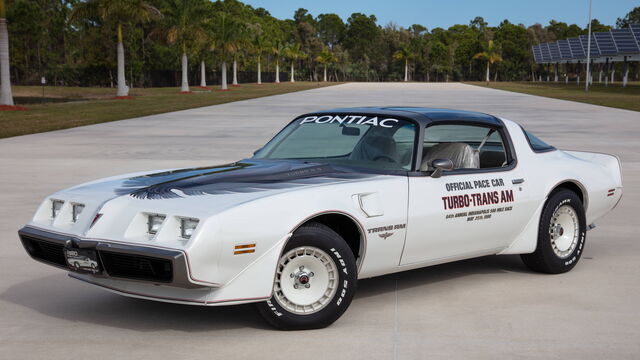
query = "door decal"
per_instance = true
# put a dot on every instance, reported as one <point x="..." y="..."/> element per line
<point x="477" y="199"/>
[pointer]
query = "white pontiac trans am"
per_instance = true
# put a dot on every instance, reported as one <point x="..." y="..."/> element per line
<point x="336" y="196"/>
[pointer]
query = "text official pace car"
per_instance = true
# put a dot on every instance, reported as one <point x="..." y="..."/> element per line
<point x="336" y="196"/>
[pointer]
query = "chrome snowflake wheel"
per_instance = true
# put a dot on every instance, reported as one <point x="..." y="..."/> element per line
<point x="306" y="280"/>
<point x="564" y="231"/>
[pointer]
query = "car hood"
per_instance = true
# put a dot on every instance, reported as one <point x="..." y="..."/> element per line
<point x="243" y="177"/>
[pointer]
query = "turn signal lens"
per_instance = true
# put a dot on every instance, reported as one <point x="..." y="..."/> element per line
<point x="154" y="223"/>
<point x="77" y="210"/>
<point x="56" y="205"/>
<point x="187" y="227"/>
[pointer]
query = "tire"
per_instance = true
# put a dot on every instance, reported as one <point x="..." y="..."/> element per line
<point x="330" y="265"/>
<point x="561" y="234"/>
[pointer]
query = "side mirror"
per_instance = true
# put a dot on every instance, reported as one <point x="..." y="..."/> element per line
<point x="439" y="166"/>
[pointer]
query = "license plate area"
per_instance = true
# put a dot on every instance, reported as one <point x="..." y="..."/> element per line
<point x="82" y="260"/>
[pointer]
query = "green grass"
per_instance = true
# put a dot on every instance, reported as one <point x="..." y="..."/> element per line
<point x="613" y="96"/>
<point x="97" y="104"/>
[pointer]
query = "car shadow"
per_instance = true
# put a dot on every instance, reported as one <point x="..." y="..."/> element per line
<point x="57" y="297"/>
<point x="494" y="264"/>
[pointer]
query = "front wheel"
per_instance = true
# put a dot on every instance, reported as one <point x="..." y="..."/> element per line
<point x="315" y="280"/>
<point x="561" y="234"/>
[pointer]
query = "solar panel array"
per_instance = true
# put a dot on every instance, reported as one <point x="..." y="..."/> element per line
<point x="577" y="50"/>
<point x="565" y="50"/>
<point x="625" y="41"/>
<point x="537" y="54"/>
<point x="616" y="42"/>
<point x="555" y="51"/>
<point x="546" y="54"/>
<point x="584" y="39"/>
<point x="635" y="29"/>
<point x="605" y="43"/>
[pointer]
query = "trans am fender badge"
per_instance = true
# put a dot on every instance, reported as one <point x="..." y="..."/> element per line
<point x="384" y="236"/>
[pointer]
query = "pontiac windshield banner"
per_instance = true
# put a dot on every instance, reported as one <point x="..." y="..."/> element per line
<point x="350" y="120"/>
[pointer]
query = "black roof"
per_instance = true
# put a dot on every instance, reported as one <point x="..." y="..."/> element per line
<point x="422" y="115"/>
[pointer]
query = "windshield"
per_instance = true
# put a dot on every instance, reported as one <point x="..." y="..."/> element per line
<point x="373" y="142"/>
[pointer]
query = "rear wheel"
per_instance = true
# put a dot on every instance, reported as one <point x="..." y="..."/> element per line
<point x="561" y="234"/>
<point x="315" y="280"/>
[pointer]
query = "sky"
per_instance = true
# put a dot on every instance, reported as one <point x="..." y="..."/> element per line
<point x="444" y="13"/>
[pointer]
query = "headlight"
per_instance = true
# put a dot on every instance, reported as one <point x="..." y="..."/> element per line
<point x="187" y="227"/>
<point x="77" y="210"/>
<point x="56" y="205"/>
<point x="154" y="223"/>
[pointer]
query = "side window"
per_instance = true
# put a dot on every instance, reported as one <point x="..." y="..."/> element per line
<point x="467" y="146"/>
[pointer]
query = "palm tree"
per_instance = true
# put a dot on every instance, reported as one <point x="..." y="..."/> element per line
<point x="278" y="50"/>
<point x="293" y="53"/>
<point x="326" y="57"/>
<point x="404" y="53"/>
<point x="184" y="26"/>
<point x="118" y="12"/>
<point x="6" y="98"/>
<point x="491" y="55"/>
<point x="203" y="74"/>
<point x="241" y="41"/>
<point x="258" y="46"/>
<point x="225" y="31"/>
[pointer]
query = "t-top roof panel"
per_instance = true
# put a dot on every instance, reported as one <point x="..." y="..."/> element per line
<point x="576" y="48"/>
<point x="584" y="39"/>
<point x="625" y="41"/>
<point x="537" y="54"/>
<point x="605" y="43"/>
<point x="565" y="50"/>
<point x="546" y="54"/>
<point x="555" y="51"/>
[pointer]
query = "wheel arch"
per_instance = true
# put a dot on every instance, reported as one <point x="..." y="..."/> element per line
<point x="345" y="225"/>
<point x="576" y="187"/>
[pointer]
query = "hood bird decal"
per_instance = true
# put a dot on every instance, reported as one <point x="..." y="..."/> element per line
<point x="241" y="177"/>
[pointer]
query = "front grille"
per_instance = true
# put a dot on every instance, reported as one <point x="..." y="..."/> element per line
<point x="137" y="267"/>
<point x="45" y="251"/>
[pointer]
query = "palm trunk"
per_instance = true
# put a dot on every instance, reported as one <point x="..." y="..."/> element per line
<point x="625" y="71"/>
<point x="406" y="70"/>
<point x="487" y="73"/>
<point x="223" y="81"/>
<point x="278" y="71"/>
<point x="235" y="72"/>
<point x="185" y="78"/>
<point x="325" y="72"/>
<point x="259" y="72"/>
<point x="203" y="75"/>
<point x="123" y="90"/>
<point x="293" y="74"/>
<point x="6" y="98"/>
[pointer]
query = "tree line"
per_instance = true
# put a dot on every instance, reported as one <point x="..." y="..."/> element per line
<point x="135" y="43"/>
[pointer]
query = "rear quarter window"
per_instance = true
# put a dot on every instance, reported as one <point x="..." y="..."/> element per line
<point x="536" y="144"/>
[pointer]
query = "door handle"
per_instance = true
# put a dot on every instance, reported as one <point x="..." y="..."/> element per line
<point x="517" y="181"/>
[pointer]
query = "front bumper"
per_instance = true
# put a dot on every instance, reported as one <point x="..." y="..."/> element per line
<point x="146" y="264"/>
